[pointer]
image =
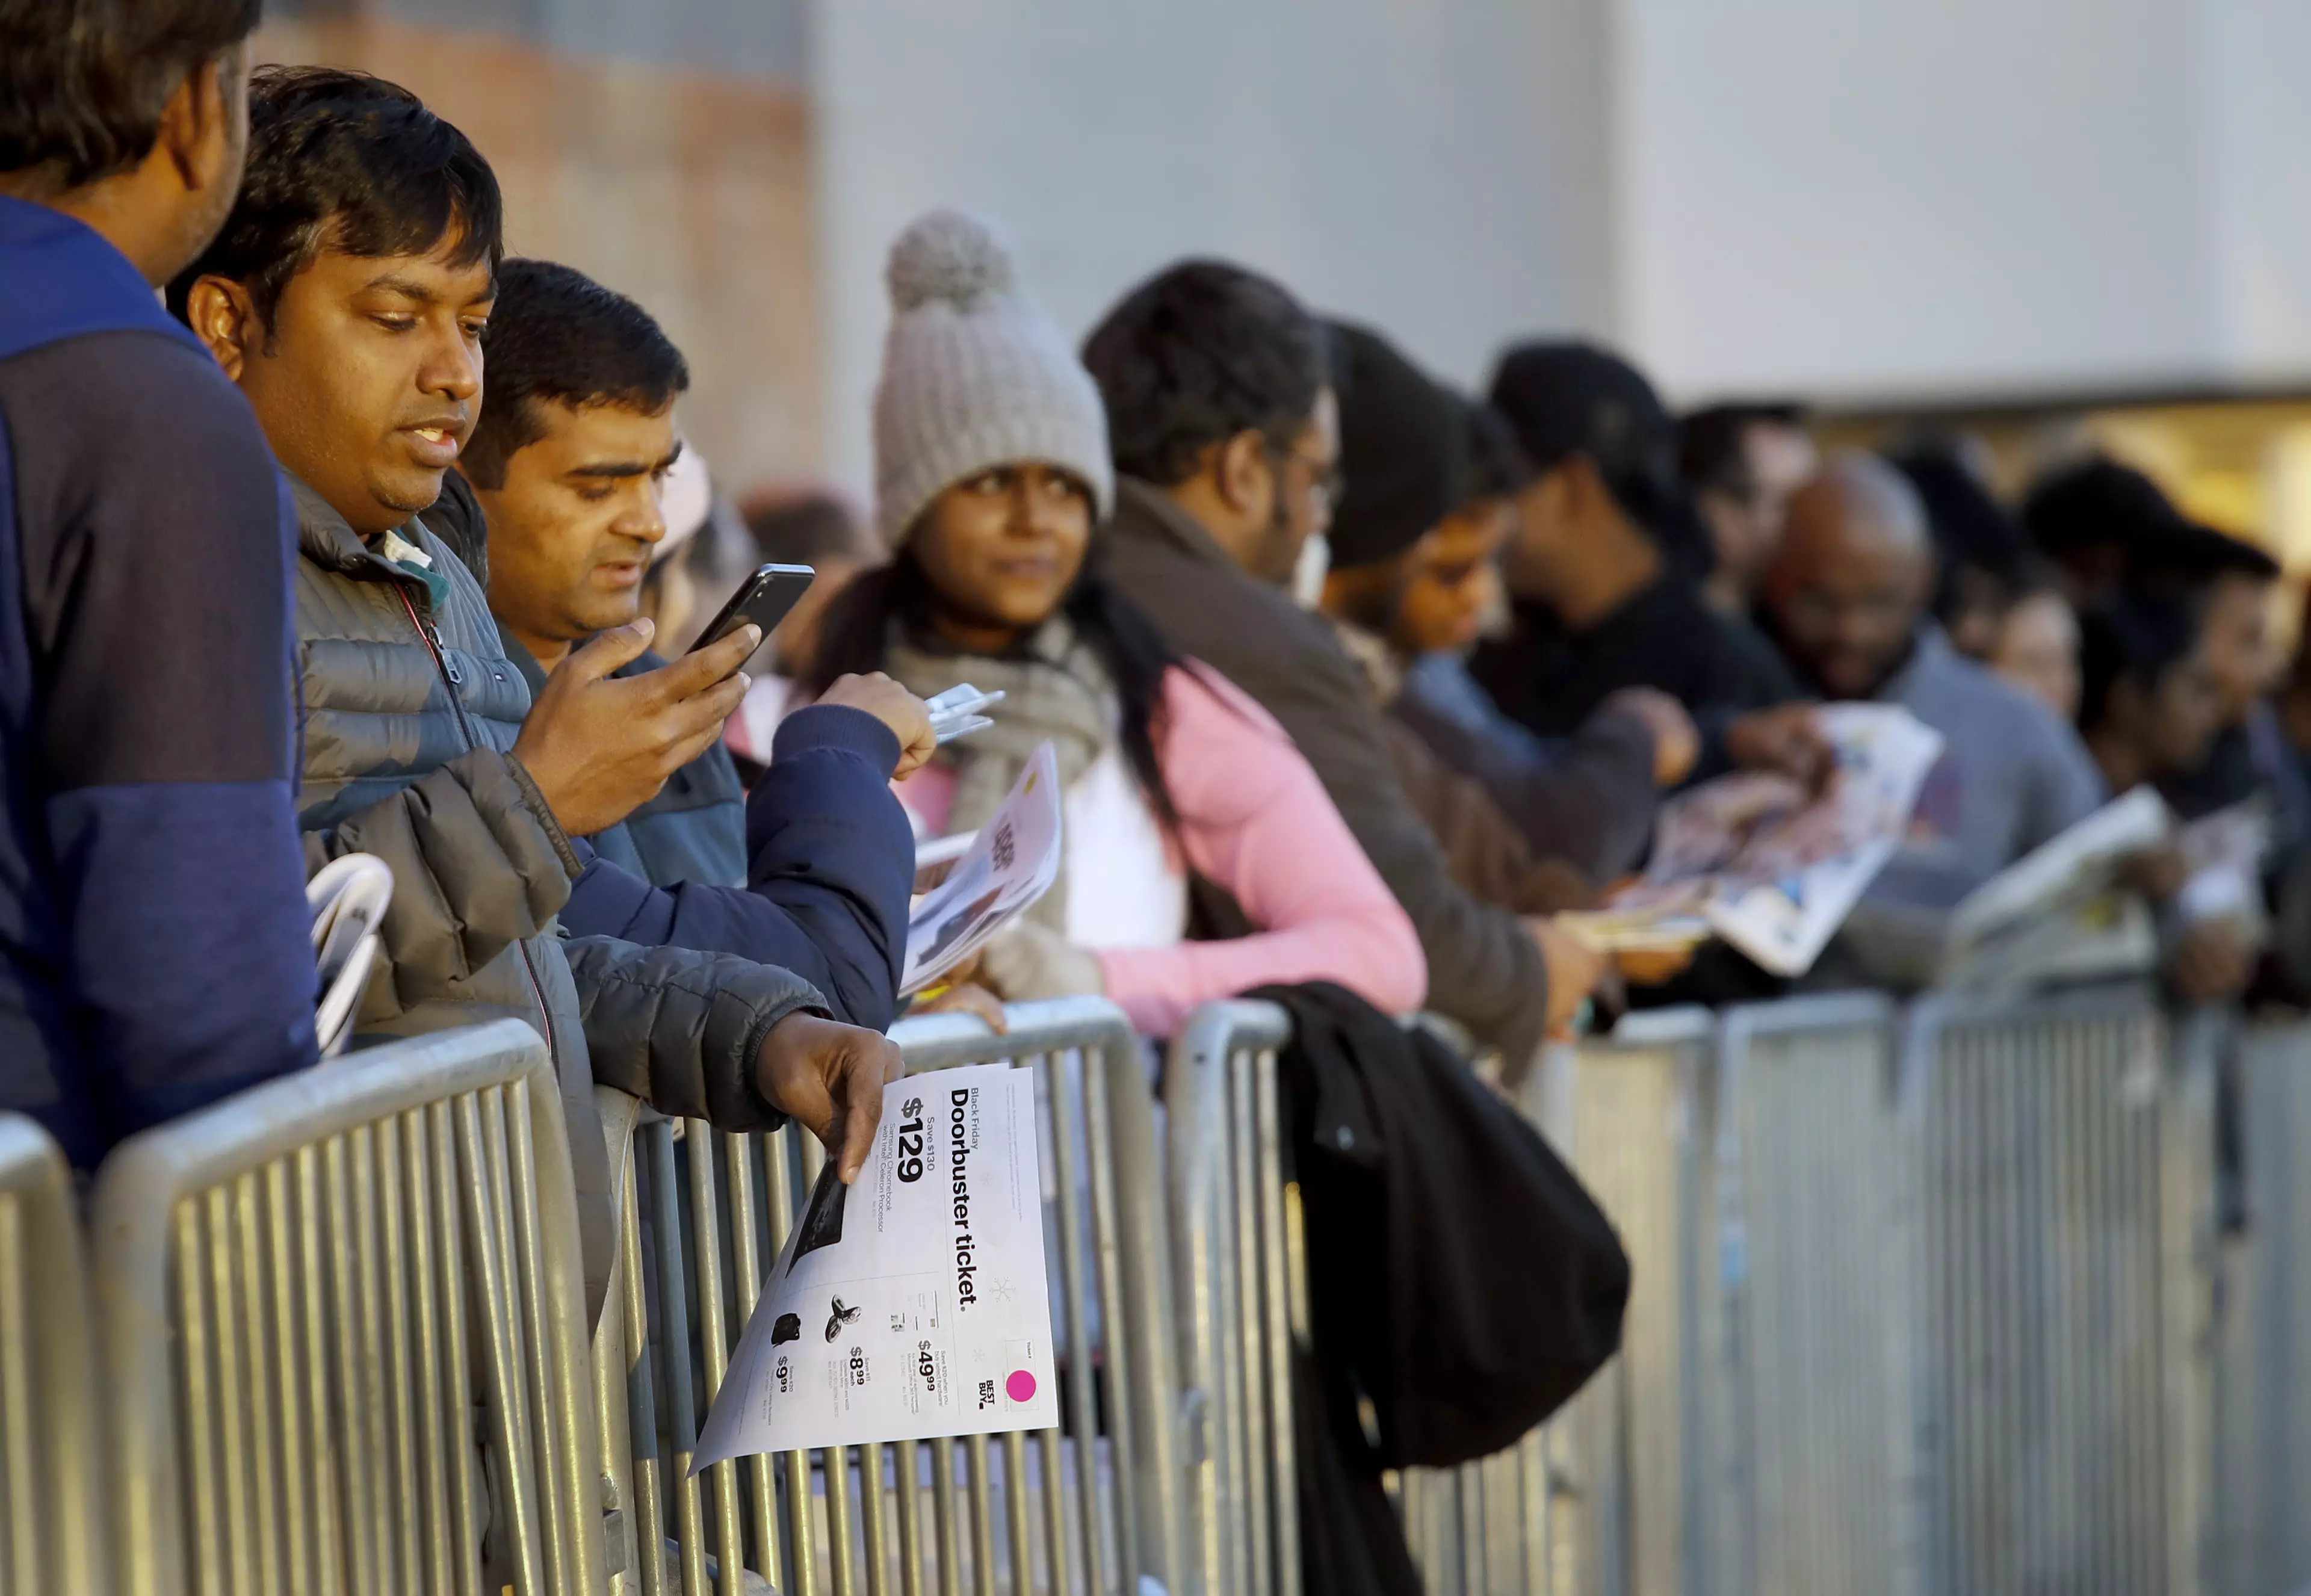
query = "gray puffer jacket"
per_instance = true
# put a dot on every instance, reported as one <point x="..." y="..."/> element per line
<point x="410" y="711"/>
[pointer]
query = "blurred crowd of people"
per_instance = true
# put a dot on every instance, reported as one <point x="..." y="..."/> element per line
<point x="362" y="534"/>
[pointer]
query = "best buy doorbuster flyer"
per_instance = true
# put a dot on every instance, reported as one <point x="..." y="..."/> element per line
<point x="911" y="1303"/>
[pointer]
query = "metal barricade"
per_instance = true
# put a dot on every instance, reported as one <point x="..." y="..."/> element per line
<point x="341" y="1320"/>
<point x="1807" y="1388"/>
<point x="1090" y="1507"/>
<point x="1629" y="1113"/>
<point x="2262" y="1463"/>
<point x="49" y="1438"/>
<point x="2058" y="1167"/>
<point x="1239" y="1276"/>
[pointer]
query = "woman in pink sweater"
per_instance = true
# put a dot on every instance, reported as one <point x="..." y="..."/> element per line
<point x="1186" y="807"/>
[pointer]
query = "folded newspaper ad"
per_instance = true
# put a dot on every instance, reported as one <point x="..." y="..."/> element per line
<point x="1767" y="866"/>
<point x="2060" y="912"/>
<point x="1012" y="861"/>
<point x="2066" y="912"/>
<point x="915" y="1303"/>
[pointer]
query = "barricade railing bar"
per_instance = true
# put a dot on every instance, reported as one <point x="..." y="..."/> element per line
<point x="1930" y="1300"/>
<point x="1802" y="1395"/>
<point x="1089" y="1507"/>
<point x="1239" y="1276"/>
<point x="2060" y="1156"/>
<point x="2261" y="1482"/>
<point x="342" y="1322"/>
<point x="49" y="1434"/>
<point x="1922" y="1304"/>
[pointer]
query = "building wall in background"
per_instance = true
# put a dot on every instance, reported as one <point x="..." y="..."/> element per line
<point x="2258" y="165"/>
<point x="1975" y="200"/>
<point x="688" y="189"/>
<point x="1969" y="197"/>
<point x="1437" y="167"/>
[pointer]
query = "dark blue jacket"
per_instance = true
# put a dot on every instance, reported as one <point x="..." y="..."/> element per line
<point x="829" y="866"/>
<point x="154" y="953"/>
<point x="811" y="872"/>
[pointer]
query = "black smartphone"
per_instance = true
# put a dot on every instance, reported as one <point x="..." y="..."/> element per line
<point x="764" y="598"/>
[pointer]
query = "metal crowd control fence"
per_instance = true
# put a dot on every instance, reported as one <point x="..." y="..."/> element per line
<point x="1919" y="1305"/>
<point x="1089" y="1507"/>
<point x="1809" y="1378"/>
<point x="2060" y="1177"/>
<point x="1607" y="1498"/>
<point x="341" y="1320"/>
<point x="2262" y="1463"/>
<point x="49" y="1437"/>
<point x="1603" y="1499"/>
<point x="1240" y="1284"/>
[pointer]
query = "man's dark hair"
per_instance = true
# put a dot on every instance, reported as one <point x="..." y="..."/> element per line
<point x="84" y="82"/>
<point x="1980" y="551"/>
<point x="348" y="162"/>
<point x="1712" y="451"/>
<point x="556" y="337"/>
<point x="2134" y="636"/>
<point x="802" y="529"/>
<point x="1197" y="354"/>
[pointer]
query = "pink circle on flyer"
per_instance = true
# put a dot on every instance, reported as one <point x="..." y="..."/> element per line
<point x="1020" y="1387"/>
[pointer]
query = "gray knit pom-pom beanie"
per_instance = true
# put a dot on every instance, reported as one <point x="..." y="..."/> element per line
<point x="973" y="377"/>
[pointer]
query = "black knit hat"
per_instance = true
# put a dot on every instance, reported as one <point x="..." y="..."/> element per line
<point x="1497" y="467"/>
<point x="1403" y="457"/>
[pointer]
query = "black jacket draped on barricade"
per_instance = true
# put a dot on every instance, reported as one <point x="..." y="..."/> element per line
<point x="1461" y="1280"/>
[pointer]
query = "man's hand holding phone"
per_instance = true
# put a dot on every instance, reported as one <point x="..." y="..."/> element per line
<point x="600" y="747"/>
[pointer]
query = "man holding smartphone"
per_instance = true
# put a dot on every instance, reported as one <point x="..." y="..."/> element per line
<point x="812" y="871"/>
<point x="346" y="297"/>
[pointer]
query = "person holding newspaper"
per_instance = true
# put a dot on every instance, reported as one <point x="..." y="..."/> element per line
<point x="991" y="472"/>
<point x="1845" y="597"/>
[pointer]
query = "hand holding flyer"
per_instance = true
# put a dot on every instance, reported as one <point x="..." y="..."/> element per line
<point x="926" y="1313"/>
<point x="1770" y="868"/>
<point x="1012" y="861"/>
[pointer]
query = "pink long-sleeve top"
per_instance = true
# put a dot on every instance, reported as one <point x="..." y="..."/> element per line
<point x="1254" y="819"/>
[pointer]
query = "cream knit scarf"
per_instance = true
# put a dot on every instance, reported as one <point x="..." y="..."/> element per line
<point x="1058" y="692"/>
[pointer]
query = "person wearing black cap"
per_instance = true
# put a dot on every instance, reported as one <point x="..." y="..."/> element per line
<point x="1415" y="486"/>
<point x="1603" y="567"/>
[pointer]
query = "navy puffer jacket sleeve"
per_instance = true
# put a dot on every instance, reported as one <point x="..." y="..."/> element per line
<point x="830" y="865"/>
<point x="681" y="1029"/>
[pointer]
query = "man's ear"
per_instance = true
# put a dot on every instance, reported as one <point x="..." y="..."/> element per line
<point x="196" y="132"/>
<point x="1242" y="475"/>
<point x="224" y="318"/>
